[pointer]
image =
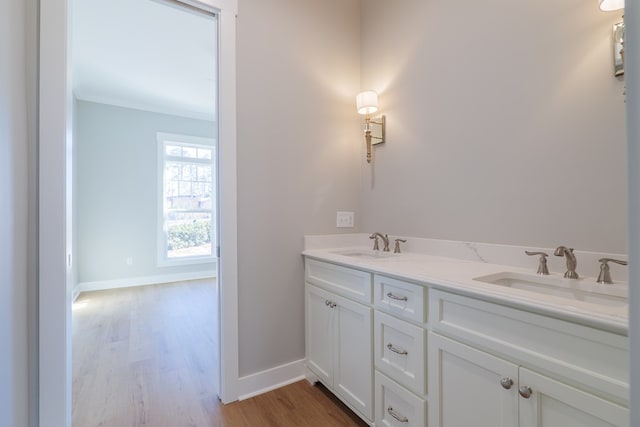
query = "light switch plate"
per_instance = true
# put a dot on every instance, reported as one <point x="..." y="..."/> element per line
<point x="345" y="219"/>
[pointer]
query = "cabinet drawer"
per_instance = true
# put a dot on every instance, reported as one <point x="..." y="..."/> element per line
<point x="397" y="406"/>
<point x="591" y="359"/>
<point x="403" y="299"/>
<point x="348" y="282"/>
<point x="400" y="351"/>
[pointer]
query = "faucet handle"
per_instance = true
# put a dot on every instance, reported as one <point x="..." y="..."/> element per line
<point x="617" y="261"/>
<point x="542" y="254"/>
<point x="605" y="274"/>
<point x="542" y="263"/>
<point x="396" y="249"/>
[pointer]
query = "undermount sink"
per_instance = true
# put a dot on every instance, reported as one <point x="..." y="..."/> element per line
<point x="364" y="254"/>
<point x="568" y="289"/>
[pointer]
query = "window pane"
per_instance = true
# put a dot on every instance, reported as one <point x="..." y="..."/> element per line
<point x="204" y="153"/>
<point x="205" y="203"/>
<point x="188" y="234"/>
<point x="171" y="189"/>
<point x="172" y="171"/>
<point x="198" y="190"/>
<point x="204" y="173"/>
<point x="185" y="188"/>
<point x="173" y="150"/>
<point x="189" y="152"/>
<point x="186" y="172"/>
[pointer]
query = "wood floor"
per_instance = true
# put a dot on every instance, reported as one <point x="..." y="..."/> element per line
<point x="145" y="356"/>
<point x="296" y="405"/>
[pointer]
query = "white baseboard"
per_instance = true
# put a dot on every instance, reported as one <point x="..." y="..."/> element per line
<point x="271" y="379"/>
<point x="142" y="281"/>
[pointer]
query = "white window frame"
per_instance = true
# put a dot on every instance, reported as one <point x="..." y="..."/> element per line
<point x="191" y="141"/>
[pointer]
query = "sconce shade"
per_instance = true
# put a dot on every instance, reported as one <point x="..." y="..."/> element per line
<point x="611" y="5"/>
<point x="367" y="102"/>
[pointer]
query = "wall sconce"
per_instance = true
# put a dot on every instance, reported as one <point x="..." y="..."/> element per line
<point x="618" y="35"/>
<point x="367" y="104"/>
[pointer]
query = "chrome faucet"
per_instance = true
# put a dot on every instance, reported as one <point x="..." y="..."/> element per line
<point x="385" y="240"/>
<point x="572" y="263"/>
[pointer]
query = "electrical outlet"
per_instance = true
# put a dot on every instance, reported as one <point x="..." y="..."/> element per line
<point x="345" y="219"/>
<point x="129" y="260"/>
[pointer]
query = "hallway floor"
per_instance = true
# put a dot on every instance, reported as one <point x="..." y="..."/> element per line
<point x="144" y="356"/>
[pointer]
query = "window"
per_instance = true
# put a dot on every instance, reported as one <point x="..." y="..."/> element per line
<point x="186" y="199"/>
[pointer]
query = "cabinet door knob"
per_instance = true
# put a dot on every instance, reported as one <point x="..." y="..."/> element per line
<point x="327" y="302"/>
<point x="525" y="391"/>
<point x="397" y="416"/>
<point x="397" y="350"/>
<point x="506" y="383"/>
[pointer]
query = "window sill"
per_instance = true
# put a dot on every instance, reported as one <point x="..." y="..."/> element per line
<point x="187" y="261"/>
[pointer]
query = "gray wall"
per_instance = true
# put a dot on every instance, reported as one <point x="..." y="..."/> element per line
<point x="299" y="154"/>
<point x="117" y="190"/>
<point x="505" y="123"/>
<point x="13" y="214"/>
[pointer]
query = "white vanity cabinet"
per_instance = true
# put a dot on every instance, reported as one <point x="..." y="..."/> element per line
<point x="411" y="354"/>
<point x="543" y="372"/>
<point x="339" y="334"/>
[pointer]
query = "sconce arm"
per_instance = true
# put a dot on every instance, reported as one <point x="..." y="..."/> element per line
<point x="368" y="134"/>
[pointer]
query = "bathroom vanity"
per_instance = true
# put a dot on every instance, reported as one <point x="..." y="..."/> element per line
<point x="418" y="339"/>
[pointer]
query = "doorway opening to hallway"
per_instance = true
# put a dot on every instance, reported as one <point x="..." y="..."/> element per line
<point x="144" y="216"/>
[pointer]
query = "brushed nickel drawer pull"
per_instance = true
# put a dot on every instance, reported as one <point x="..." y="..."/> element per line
<point x="392" y="296"/>
<point x="397" y="350"/>
<point x="397" y="416"/>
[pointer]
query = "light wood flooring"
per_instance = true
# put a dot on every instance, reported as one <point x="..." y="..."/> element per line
<point x="145" y="356"/>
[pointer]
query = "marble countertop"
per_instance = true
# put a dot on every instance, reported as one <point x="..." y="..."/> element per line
<point x="457" y="275"/>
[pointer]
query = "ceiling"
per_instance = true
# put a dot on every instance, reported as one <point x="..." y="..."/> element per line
<point x="146" y="54"/>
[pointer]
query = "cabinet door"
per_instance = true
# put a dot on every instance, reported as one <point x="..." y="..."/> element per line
<point x="555" y="404"/>
<point x="469" y="387"/>
<point x="319" y="333"/>
<point x="353" y="359"/>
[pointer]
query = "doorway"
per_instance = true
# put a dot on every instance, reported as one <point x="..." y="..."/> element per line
<point x="59" y="246"/>
<point x="144" y="209"/>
